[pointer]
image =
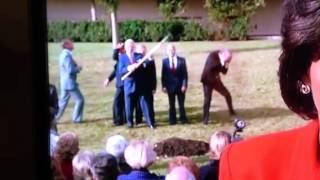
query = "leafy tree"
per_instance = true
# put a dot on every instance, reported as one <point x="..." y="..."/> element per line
<point x="170" y="8"/>
<point x="111" y="7"/>
<point x="233" y="13"/>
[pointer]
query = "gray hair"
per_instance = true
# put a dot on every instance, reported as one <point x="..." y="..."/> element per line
<point x="81" y="164"/>
<point x="180" y="173"/>
<point x="116" y="146"/>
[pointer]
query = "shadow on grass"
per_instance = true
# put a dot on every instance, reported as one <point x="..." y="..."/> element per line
<point x="195" y="114"/>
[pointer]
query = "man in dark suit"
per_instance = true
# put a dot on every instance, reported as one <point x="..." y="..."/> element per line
<point x="174" y="78"/>
<point x="133" y="85"/>
<point x="118" y="101"/>
<point x="217" y="62"/>
<point x="149" y="80"/>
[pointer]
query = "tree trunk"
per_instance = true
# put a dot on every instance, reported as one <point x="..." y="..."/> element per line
<point x="93" y="10"/>
<point x="114" y="26"/>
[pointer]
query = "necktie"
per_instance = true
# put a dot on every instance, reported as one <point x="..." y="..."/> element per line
<point x="173" y="67"/>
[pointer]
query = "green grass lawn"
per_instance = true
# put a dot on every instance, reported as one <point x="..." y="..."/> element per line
<point x="252" y="80"/>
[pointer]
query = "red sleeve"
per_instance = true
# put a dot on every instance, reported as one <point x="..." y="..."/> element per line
<point x="225" y="169"/>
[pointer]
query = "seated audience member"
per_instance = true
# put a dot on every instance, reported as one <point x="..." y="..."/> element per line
<point x="67" y="147"/>
<point x="82" y="166"/>
<point x="180" y="173"/>
<point x="185" y="162"/>
<point x="292" y="154"/>
<point x="218" y="142"/>
<point x="116" y="146"/>
<point x="140" y="155"/>
<point x="104" y="167"/>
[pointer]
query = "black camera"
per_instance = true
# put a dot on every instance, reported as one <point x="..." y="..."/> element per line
<point x="239" y="125"/>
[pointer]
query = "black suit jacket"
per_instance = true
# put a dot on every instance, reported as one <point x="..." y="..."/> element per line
<point x="210" y="171"/>
<point x="212" y="69"/>
<point x="173" y="81"/>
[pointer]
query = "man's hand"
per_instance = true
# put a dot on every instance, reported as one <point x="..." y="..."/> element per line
<point x="80" y="68"/>
<point x="132" y="67"/>
<point x="164" y="90"/>
<point x="106" y="83"/>
<point x="183" y="89"/>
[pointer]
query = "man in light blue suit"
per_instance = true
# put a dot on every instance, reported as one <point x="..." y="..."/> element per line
<point x="68" y="83"/>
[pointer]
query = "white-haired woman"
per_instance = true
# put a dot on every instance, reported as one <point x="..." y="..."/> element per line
<point x="218" y="142"/>
<point x="116" y="145"/>
<point x="81" y="164"/>
<point x="140" y="155"/>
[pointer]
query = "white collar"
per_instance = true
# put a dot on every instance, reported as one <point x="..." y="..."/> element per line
<point x="67" y="51"/>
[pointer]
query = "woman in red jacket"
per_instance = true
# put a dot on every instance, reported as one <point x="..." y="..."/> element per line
<point x="293" y="154"/>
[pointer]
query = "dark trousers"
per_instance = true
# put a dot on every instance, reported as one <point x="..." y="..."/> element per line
<point x="220" y="88"/>
<point x="131" y="101"/>
<point x="172" y="107"/>
<point x="119" y="115"/>
<point x="146" y="104"/>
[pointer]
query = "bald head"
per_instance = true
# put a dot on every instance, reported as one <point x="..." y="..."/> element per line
<point x="67" y="44"/>
<point x="225" y="55"/>
<point x="180" y="173"/>
<point x="140" y="48"/>
<point x="129" y="46"/>
<point x="171" y="50"/>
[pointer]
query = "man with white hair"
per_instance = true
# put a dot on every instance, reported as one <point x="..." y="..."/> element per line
<point x="180" y="173"/>
<point x="174" y="78"/>
<point x="116" y="145"/>
<point x="217" y="62"/>
<point x="133" y="85"/>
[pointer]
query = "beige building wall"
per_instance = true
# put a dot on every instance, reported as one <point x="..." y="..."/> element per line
<point x="267" y="20"/>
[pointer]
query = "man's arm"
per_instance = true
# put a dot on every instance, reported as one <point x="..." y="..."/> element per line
<point x="224" y="69"/>
<point x="153" y="75"/>
<point x="70" y="66"/>
<point x="115" y="55"/>
<point x="113" y="73"/>
<point x="185" y="73"/>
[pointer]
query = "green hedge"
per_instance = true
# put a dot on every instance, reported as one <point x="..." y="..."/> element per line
<point x="136" y="29"/>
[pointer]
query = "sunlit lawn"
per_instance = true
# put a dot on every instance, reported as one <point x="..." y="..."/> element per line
<point x="252" y="81"/>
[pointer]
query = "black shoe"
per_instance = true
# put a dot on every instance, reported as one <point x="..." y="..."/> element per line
<point x="173" y="123"/>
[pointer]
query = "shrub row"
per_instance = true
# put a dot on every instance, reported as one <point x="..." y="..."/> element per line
<point x="138" y="30"/>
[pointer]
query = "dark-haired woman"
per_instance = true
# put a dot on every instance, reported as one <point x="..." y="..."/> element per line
<point x="293" y="154"/>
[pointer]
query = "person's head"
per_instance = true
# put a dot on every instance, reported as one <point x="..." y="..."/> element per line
<point x="67" y="44"/>
<point x="81" y="164"/>
<point x="116" y="146"/>
<point x="299" y="70"/>
<point x="185" y="162"/>
<point x="139" y="155"/>
<point x="141" y="49"/>
<point x="218" y="142"/>
<point x="67" y="146"/>
<point x="180" y="173"/>
<point x="225" y="55"/>
<point x="171" y="50"/>
<point x="129" y="46"/>
<point x="104" y="167"/>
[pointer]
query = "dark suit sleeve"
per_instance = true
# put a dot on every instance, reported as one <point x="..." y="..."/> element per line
<point x="113" y="73"/>
<point x="185" y="73"/>
<point x="115" y="55"/>
<point x="153" y="75"/>
<point x="224" y="69"/>
<point x="163" y="73"/>
<point x="123" y="66"/>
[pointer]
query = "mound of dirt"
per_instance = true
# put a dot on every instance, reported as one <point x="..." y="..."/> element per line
<point x="176" y="146"/>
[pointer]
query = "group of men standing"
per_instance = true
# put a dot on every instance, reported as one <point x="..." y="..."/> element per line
<point x="134" y="94"/>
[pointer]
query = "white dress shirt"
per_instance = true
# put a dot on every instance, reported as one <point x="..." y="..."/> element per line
<point x="175" y="61"/>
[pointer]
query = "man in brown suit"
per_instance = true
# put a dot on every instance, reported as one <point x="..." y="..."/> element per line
<point x="217" y="62"/>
